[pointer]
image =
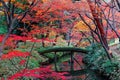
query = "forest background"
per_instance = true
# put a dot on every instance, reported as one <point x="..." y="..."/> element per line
<point x="59" y="39"/>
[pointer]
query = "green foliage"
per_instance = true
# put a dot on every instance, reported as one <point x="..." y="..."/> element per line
<point x="97" y="61"/>
<point x="10" y="66"/>
<point x="33" y="63"/>
<point x="3" y="28"/>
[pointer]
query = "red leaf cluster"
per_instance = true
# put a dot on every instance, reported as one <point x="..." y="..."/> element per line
<point x="22" y="62"/>
<point x="14" y="54"/>
<point x="41" y="73"/>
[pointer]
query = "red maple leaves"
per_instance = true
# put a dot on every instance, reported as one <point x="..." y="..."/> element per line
<point x="40" y="73"/>
<point x="14" y="54"/>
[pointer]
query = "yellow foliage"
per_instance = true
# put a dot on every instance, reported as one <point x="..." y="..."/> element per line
<point x="81" y="26"/>
<point x="60" y="41"/>
<point x="52" y="34"/>
<point x="0" y="4"/>
<point x="13" y="0"/>
<point x="45" y="1"/>
<point x="1" y="13"/>
<point x="83" y="44"/>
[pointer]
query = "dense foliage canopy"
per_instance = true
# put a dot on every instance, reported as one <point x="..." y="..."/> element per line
<point x="59" y="39"/>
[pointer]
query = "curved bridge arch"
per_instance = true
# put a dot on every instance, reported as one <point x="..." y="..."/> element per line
<point x="63" y="49"/>
<point x="71" y="51"/>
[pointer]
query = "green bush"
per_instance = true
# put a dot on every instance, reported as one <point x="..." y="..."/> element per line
<point x="98" y="62"/>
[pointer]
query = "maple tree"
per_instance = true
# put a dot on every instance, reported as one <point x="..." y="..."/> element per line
<point x="9" y="7"/>
<point x="54" y="23"/>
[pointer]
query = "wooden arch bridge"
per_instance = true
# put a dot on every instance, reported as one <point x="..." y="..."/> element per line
<point x="68" y="51"/>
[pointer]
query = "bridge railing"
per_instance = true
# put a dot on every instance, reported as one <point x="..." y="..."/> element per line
<point x="69" y="51"/>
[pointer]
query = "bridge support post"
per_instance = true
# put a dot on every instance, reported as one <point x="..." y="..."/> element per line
<point x="55" y="61"/>
<point x="71" y="61"/>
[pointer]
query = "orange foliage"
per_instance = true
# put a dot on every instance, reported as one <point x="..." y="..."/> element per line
<point x="81" y="26"/>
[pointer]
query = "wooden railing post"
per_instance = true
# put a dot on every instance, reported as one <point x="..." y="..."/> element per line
<point x="71" y="61"/>
<point x="55" y="61"/>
